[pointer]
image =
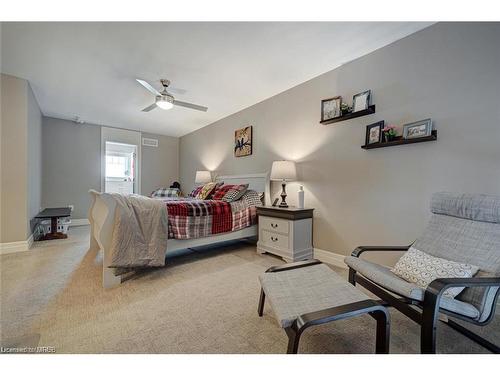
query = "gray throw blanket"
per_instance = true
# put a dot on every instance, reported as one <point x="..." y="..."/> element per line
<point x="140" y="233"/>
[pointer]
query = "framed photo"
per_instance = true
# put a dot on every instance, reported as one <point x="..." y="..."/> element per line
<point x="331" y="108"/>
<point x="374" y="133"/>
<point x="422" y="128"/>
<point x="243" y="142"/>
<point x="361" y="101"/>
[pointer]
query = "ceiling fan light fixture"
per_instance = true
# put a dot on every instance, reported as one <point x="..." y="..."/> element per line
<point x="165" y="102"/>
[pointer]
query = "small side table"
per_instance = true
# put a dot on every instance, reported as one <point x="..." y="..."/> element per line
<point x="53" y="214"/>
<point x="286" y="232"/>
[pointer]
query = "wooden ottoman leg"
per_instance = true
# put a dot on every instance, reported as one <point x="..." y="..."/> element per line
<point x="293" y="340"/>
<point x="383" y="331"/>
<point x="262" y="299"/>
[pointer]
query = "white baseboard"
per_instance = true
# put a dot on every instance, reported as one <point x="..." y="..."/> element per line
<point x="330" y="258"/>
<point x="16" y="247"/>
<point x="79" y="222"/>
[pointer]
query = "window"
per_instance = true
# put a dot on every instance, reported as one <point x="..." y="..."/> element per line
<point x="119" y="165"/>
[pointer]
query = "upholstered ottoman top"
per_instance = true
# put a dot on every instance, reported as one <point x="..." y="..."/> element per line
<point x="305" y="290"/>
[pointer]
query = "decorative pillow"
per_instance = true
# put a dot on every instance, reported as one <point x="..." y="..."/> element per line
<point x="224" y="189"/>
<point x="235" y="193"/>
<point x="420" y="268"/>
<point x="212" y="193"/>
<point x="206" y="190"/>
<point x="166" y="192"/>
<point x="195" y="191"/>
<point x="252" y="198"/>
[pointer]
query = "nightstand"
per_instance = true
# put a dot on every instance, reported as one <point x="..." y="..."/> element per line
<point x="286" y="232"/>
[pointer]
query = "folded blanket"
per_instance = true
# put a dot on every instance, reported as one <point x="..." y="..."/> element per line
<point x="140" y="233"/>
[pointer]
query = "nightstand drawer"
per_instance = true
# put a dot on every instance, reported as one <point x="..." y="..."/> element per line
<point x="273" y="239"/>
<point x="273" y="224"/>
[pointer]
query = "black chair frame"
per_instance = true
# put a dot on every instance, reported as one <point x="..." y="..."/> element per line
<point x="426" y="312"/>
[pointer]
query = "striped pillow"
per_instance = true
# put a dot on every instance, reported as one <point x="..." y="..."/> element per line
<point x="195" y="191"/>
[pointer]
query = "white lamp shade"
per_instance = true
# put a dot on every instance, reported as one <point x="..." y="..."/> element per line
<point x="283" y="170"/>
<point x="203" y="177"/>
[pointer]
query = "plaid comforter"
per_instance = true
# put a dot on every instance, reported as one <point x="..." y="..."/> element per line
<point x="192" y="218"/>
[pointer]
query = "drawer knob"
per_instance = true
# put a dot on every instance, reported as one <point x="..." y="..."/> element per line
<point x="274" y="225"/>
<point x="274" y="239"/>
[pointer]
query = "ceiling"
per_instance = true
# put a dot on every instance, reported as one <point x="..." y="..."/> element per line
<point x="89" y="69"/>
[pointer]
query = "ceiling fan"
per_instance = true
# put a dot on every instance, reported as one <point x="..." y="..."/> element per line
<point x="164" y="99"/>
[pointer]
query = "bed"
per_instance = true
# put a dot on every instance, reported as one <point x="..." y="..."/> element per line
<point x="102" y="216"/>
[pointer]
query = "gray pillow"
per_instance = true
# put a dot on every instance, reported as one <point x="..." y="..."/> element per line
<point x="421" y="269"/>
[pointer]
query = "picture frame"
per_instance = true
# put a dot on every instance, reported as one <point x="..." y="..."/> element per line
<point x="374" y="133"/>
<point x="361" y="101"/>
<point x="243" y="142"/>
<point x="418" y="129"/>
<point x="331" y="108"/>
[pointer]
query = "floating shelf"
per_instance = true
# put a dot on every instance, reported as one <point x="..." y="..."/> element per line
<point x="432" y="137"/>
<point x="369" y="111"/>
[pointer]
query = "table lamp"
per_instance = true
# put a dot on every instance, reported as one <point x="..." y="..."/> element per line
<point x="283" y="170"/>
<point x="202" y="177"/>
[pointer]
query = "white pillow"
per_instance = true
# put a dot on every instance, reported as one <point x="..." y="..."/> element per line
<point x="420" y="268"/>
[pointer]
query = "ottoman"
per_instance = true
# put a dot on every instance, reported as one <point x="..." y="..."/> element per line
<point x="309" y="293"/>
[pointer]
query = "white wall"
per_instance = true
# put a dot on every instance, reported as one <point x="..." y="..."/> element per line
<point x="449" y="72"/>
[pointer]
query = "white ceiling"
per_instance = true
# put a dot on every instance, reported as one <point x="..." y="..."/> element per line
<point x="89" y="69"/>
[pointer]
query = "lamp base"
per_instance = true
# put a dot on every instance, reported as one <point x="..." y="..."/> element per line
<point x="283" y="203"/>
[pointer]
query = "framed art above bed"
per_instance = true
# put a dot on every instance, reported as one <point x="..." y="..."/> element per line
<point x="243" y="141"/>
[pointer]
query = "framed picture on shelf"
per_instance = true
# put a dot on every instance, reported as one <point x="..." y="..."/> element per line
<point x="374" y="133"/>
<point x="331" y="108"/>
<point x="243" y="142"/>
<point x="422" y="128"/>
<point x="361" y="101"/>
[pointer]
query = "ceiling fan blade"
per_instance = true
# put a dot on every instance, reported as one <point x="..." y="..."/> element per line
<point x="149" y="108"/>
<point x="190" y="105"/>
<point x="148" y="87"/>
<point x="175" y="90"/>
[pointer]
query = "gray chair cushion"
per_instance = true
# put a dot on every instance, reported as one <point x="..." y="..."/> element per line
<point x="463" y="241"/>
<point x="477" y="207"/>
<point x="305" y="290"/>
<point x="466" y="241"/>
<point x="384" y="277"/>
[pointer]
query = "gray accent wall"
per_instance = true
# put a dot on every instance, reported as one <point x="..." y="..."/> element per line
<point x="160" y="165"/>
<point x="449" y="72"/>
<point x="72" y="164"/>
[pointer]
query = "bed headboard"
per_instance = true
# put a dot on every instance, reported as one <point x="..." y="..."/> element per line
<point x="256" y="181"/>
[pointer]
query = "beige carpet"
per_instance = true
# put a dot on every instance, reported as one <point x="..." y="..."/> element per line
<point x="203" y="302"/>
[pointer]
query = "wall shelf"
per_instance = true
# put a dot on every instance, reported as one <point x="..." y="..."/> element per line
<point x="432" y="137"/>
<point x="370" y="110"/>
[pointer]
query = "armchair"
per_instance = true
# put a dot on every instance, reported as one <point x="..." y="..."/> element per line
<point x="463" y="228"/>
